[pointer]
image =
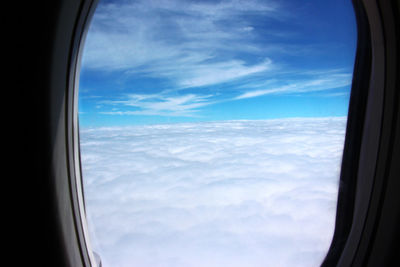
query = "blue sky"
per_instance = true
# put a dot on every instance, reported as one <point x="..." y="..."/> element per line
<point x="166" y="61"/>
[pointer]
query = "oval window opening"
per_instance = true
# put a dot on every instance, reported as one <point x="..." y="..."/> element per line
<point x="212" y="132"/>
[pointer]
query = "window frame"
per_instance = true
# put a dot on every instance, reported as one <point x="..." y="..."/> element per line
<point x="367" y="192"/>
<point x="369" y="144"/>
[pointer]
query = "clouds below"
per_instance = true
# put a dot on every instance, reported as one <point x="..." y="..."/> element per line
<point x="235" y="193"/>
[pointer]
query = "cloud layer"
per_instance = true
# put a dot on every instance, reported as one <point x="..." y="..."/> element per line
<point x="234" y="193"/>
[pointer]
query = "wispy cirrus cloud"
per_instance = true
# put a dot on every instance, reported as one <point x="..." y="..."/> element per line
<point x="169" y="103"/>
<point x="209" y="74"/>
<point x="159" y="104"/>
<point x="322" y="83"/>
<point x="182" y="57"/>
<point x="190" y="43"/>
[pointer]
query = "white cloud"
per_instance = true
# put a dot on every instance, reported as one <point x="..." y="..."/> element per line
<point x="160" y="104"/>
<point x="324" y="82"/>
<point x="182" y="41"/>
<point x="170" y="103"/>
<point x="236" y="193"/>
<point x="208" y="74"/>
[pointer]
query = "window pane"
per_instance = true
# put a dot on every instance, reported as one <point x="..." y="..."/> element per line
<point x="212" y="131"/>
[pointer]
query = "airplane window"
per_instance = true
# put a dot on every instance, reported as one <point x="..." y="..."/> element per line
<point x="212" y="132"/>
